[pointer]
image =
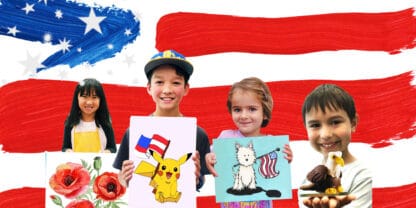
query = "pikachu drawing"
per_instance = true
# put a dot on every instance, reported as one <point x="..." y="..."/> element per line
<point x="165" y="179"/>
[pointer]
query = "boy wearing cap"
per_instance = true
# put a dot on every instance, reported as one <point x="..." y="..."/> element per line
<point x="167" y="73"/>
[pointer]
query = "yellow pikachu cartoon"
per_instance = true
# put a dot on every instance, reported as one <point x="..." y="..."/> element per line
<point x="165" y="178"/>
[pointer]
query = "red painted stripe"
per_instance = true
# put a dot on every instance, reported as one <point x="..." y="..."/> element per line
<point x="401" y="196"/>
<point x="197" y="34"/>
<point x="160" y="139"/>
<point x="159" y="150"/>
<point x="36" y="110"/>
<point x="23" y="197"/>
<point x="140" y="149"/>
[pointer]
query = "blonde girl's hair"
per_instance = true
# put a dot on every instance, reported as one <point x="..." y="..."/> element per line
<point x="260" y="88"/>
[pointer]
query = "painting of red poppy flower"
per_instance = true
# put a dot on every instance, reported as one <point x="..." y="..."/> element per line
<point x="82" y="203"/>
<point x="108" y="187"/>
<point x="70" y="180"/>
<point x="84" y="180"/>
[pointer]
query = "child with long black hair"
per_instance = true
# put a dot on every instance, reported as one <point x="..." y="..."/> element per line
<point x="88" y="126"/>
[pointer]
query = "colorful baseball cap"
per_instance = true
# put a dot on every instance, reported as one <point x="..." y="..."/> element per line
<point x="169" y="57"/>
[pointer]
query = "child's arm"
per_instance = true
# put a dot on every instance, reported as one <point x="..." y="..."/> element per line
<point x="126" y="172"/>
<point x="210" y="160"/>
<point x="198" y="177"/>
<point x="288" y="152"/>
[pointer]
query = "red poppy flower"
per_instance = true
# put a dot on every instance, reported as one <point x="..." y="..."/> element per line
<point x="70" y="180"/>
<point x="108" y="187"/>
<point x="82" y="203"/>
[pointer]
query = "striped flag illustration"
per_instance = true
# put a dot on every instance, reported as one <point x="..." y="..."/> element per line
<point x="156" y="143"/>
<point x="159" y="144"/>
<point x="267" y="167"/>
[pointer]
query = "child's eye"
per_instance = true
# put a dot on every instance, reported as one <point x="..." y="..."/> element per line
<point x="314" y="125"/>
<point x="236" y="110"/>
<point x="252" y="109"/>
<point x="177" y="83"/>
<point x="335" y="122"/>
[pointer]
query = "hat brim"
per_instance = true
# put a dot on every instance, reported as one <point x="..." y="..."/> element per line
<point x="179" y="63"/>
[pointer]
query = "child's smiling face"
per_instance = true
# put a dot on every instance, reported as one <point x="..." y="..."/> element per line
<point x="329" y="131"/>
<point x="88" y="104"/>
<point x="247" y="112"/>
<point x="167" y="89"/>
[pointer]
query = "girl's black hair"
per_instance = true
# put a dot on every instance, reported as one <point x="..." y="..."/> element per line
<point x="86" y="87"/>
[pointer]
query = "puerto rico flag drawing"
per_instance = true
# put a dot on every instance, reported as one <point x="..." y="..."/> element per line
<point x="267" y="167"/>
<point x="156" y="143"/>
<point x="368" y="48"/>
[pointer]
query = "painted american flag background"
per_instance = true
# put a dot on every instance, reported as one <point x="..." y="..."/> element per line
<point x="367" y="47"/>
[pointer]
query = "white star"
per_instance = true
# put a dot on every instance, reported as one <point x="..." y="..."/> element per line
<point x="64" y="45"/>
<point x="110" y="46"/>
<point x="58" y="14"/>
<point x="31" y="63"/>
<point x="137" y="15"/>
<point x="12" y="30"/>
<point x="28" y="8"/>
<point x="127" y="32"/>
<point x="93" y="22"/>
<point x="129" y="60"/>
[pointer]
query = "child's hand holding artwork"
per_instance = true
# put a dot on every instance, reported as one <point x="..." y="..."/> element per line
<point x="210" y="160"/>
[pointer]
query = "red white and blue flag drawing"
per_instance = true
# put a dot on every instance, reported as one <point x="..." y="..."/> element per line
<point x="368" y="48"/>
<point x="267" y="167"/>
<point x="82" y="33"/>
<point x="156" y="143"/>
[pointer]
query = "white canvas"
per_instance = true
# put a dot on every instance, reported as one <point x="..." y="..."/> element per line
<point x="237" y="157"/>
<point x="181" y="133"/>
<point x="55" y="161"/>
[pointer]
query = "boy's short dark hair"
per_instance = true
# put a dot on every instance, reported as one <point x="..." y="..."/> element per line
<point x="172" y="58"/>
<point x="329" y="96"/>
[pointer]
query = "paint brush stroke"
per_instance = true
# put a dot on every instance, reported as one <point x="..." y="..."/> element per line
<point x="65" y="28"/>
<point x="209" y="33"/>
<point x="38" y="109"/>
<point x="400" y="196"/>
